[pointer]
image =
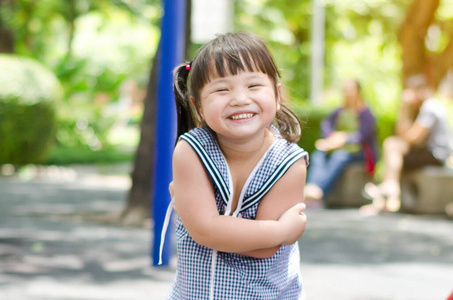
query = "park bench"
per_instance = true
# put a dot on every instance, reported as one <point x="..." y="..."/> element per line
<point x="347" y="191"/>
<point x="423" y="191"/>
<point x="427" y="190"/>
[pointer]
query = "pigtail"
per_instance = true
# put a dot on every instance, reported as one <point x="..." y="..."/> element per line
<point x="288" y="123"/>
<point x="183" y="110"/>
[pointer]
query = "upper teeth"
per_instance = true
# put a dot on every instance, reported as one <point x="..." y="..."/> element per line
<point x="241" y="116"/>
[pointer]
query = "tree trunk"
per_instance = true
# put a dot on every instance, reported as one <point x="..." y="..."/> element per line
<point x="6" y="39"/>
<point x="412" y="36"/>
<point x="415" y="56"/>
<point x="139" y="205"/>
<point x="440" y="63"/>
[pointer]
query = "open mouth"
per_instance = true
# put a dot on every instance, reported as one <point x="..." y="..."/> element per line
<point x="242" y="116"/>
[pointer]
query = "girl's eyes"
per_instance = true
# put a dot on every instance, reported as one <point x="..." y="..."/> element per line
<point x="250" y="86"/>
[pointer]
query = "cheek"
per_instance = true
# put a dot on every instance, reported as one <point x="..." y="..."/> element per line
<point x="211" y="113"/>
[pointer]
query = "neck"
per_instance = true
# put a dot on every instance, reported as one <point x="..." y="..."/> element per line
<point x="357" y="104"/>
<point x="242" y="150"/>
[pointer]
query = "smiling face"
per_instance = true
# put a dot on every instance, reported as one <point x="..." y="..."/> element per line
<point x="239" y="106"/>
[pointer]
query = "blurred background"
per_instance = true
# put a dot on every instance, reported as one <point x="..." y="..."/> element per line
<point x="75" y="75"/>
<point x="78" y="81"/>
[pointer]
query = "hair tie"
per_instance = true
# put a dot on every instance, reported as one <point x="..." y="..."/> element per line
<point x="189" y="65"/>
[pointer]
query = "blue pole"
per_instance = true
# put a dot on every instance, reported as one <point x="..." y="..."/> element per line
<point x="171" y="54"/>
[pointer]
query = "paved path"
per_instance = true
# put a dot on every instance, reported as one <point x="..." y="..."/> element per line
<point x="47" y="253"/>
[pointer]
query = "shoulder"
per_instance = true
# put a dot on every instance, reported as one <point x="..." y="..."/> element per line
<point x="367" y="116"/>
<point x="298" y="169"/>
<point x="432" y="104"/>
<point x="201" y="135"/>
<point x="287" y="190"/>
<point x="290" y="152"/>
<point x="432" y="107"/>
<point x="335" y="112"/>
<point x="293" y="179"/>
<point x="184" y="156"/>
<point x="366" y="111"/>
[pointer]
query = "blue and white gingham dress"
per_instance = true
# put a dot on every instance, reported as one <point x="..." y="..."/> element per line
<point x="203" y="273"/>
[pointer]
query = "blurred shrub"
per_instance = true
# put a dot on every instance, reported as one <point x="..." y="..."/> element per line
<point x="68" y="156"/>
<point x="108" y="50"/>
<point x="311" y="118"/>
<point x="27" y="110"/>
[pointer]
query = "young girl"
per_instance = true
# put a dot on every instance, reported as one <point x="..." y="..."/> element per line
<point x="238" y="177"/>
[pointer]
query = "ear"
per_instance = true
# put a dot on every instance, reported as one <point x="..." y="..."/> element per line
<point x="279" y="95"/>
<point x="199" y="115"/>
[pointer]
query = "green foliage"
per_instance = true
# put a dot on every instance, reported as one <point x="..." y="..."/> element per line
<point x="93" y="47"/>
<point x="27" y="110"/>
<point x="285" y="25"/>
<point x="360" y="42"/>
<point x="311" y="118"/>
<point x="67" y="156"/>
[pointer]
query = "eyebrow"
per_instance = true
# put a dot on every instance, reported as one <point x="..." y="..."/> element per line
<point x="223" y="79"/>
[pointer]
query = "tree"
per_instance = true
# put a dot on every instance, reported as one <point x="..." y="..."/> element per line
<point x="6" y="37"/>
<point x="426" y="42"/>
<point x="138" y="204"/>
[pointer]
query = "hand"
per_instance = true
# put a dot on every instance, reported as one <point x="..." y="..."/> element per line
<point x="409" y="97"/>
<point x="322" y="144"/>
<point x="334" y="141"/>
<point x="293" y="223"/>
<point x="171" y="189"/>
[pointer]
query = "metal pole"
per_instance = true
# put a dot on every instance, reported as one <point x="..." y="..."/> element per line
<point x="171" y="54"/>
<point x="317" y="51"/>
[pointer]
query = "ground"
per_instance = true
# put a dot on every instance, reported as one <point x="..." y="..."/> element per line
<point x="50" y="247"/>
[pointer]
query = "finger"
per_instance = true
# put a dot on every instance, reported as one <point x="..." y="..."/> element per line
<point x="299" y="207"/>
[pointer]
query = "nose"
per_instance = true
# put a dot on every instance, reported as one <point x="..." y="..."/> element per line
<point x="240" y="98"/>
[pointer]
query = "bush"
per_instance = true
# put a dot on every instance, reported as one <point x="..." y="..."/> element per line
<point x="68" y="156"/>
<point x="27" y="110"/>
<point x="311" y="118"/>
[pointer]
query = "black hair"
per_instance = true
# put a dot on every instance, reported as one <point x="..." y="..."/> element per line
<point x="228" y="54"/>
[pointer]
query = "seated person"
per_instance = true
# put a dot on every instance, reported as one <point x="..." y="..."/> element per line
<point x="348" y="135"/>
<point x="423" y="137"/>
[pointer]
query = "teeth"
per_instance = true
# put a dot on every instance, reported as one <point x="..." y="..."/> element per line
<point x="241" y="116"/>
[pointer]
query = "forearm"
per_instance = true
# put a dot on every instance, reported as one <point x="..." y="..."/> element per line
<point x="228" y="234"/>
<point x="402" y="127"/>
<point x="405" y="120"/>
<point x="416" y="135"/>
<point x="261" y="253"/>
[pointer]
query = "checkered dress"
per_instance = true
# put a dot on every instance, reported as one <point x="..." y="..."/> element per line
<point x="203" y="273"/>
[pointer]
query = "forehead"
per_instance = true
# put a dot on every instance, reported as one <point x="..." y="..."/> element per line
<point x="350" y="85"/>
<point x="241" y="75"/>
<point x="222" y="65"/>
<point x="228" y="56"/>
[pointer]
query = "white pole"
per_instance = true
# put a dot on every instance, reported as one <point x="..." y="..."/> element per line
<point x="317" y="51"/>
<point x="210" y="18"/>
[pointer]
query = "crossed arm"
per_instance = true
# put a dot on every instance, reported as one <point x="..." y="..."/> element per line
<point x="279" y="220"/>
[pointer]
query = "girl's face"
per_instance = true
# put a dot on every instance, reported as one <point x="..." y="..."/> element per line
<point x="239" y="106"/>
